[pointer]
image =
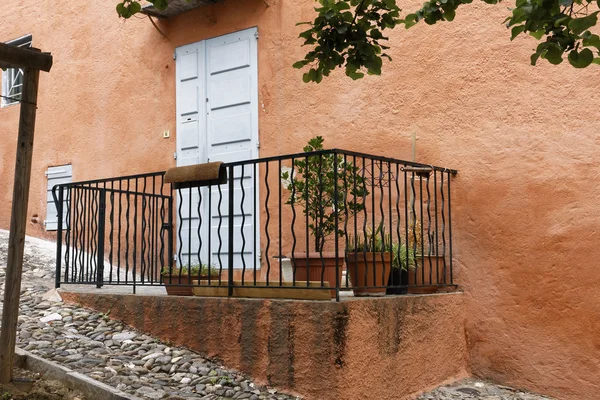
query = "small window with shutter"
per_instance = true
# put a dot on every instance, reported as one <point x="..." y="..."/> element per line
<point x="56" y="176"/>
<point x="12" y="78"/>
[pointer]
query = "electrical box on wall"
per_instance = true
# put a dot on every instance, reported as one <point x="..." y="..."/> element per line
<point x="166" y="134"/>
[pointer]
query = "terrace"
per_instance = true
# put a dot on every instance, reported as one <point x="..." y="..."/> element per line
<point x="307" y="229"/>
<point x="318" y="225"/>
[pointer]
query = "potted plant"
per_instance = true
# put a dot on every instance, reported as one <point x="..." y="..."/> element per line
<point x="179" y="282"/>
<point x="369" y="262"/>
<point x="426" y="271"/>
<point x="313" y="188"/>
<point x="404" y="261"/>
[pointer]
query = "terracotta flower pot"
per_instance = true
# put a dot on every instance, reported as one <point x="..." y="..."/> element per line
<point x="318" y="267"/>
<point x="369" y="269"/>
<point x="428" y="275"/>
<point x="177" y="285"/>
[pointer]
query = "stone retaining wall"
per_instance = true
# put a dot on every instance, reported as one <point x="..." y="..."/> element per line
<point x="392" y="347"/>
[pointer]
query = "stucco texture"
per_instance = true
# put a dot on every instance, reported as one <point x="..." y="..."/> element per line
<point x="524" y="139"/>
<point x="390" y="348"/>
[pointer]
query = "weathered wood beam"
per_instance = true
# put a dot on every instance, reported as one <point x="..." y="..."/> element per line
<point x="5" y="65"/>
<point x="20" y="57"/>
<point x="18" y="224"/>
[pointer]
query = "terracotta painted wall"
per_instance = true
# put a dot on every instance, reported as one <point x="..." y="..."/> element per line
<point x="523" y="138"/>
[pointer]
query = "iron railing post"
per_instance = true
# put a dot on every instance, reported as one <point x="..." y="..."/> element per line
<point x="230" y="236"/>
<point x="101" y="229"/>
<point x="170" y="251"/>
<point x="337" y="233"/>
<point x="59" y="210"/>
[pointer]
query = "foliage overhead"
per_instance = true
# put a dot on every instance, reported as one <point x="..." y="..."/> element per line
<point x="349" y="34"/>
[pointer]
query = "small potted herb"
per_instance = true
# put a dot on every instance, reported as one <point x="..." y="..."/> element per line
<point x="369" y="262"/>
<point x="179" y="281"/>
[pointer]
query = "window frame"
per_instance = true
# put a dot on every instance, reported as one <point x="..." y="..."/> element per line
<point x="10" y="75"/>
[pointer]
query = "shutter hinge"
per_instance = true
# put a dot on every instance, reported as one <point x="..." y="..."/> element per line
<point x="256" y="35"/>
<point x="175" y="156"/>
<point x="258" y="144"/>
<point x="174" y="55"/>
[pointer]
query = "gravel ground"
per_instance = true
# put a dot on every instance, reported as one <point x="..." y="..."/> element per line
<point x="113" y="353"/>
<point x="473" y="389"/>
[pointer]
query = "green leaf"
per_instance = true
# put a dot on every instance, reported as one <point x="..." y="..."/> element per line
<point x="516" y="31"/>
<point x="538" y="34"/>
<point x="160" y="4"/>
<point x="579" y="25"/>
<point x="449" y="14"/>
<point x="554" y="56"/>
<point x="299" y="64"/>
<point x="135" y="7"/>
<point x="593" y="40"/>
<point x="581" y="59"/>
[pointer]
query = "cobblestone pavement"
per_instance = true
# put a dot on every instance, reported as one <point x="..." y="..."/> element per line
<point x="113" y="353"/>
<point x="473" y="389"/>
<point x="109" y="351"/>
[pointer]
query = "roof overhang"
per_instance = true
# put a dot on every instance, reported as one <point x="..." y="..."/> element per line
<point x="176" y="7"/>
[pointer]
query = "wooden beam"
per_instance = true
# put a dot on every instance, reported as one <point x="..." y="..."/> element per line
<point x="18" y="224"/>
<point x="5" y="65"/>
<point x="22" y="57"/>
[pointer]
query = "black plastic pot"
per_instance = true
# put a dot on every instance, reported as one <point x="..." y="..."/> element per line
<point x="398" y="277"/>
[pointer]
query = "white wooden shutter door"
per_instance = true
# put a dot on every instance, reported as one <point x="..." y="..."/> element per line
<point x="56" y="175"/>
<point x="232" y="126"/>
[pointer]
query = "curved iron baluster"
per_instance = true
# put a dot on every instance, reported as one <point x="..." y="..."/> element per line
<point x="429" y="230"/>
<point x="162" y="230"/>
<point x="292" y="203"/>
<point x="320" y="236"/>
<point x="143" y="234"/>
<point x="219" y="233"/>
<point x="398" y="224"/>
<point x="414" y="222"/>
<point x="243" y="223"/>
<point x="110" y="236"/>
<point x="366" y="218"/>
<point x="127" y="234"/>
<point x="200" y="236"/>
<point x="382" y="195"/>
<point x="180" y="244"/>
<point x="267" y="223"/>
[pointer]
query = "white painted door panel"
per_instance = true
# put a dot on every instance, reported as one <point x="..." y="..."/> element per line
<point x="217" y="111"/>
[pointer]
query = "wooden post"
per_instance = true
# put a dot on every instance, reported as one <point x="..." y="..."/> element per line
<point x="18" y="223"/>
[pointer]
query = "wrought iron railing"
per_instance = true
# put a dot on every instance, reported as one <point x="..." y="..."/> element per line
<point x="305" y="225"/>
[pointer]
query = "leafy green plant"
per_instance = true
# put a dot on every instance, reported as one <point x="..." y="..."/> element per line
<point x="349" y="33"/>
<point x="194" y="270"/>
<point x="313" y="187"/>
<point x="379" y="241"/>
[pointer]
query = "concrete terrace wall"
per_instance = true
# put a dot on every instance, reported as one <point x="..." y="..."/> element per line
<point x="362" y="349"/>
<point x="525" y="140"/>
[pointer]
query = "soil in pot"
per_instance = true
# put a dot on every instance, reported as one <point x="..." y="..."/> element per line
<point x="367" y="270"/>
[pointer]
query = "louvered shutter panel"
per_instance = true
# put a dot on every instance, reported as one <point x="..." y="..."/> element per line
<point x="56" y="175"/>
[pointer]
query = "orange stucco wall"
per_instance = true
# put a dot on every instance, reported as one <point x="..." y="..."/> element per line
<point x="380" y="348"/>
<point x="524" y="139"/>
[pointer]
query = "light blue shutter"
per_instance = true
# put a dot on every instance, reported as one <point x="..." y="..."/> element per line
<point x="56" y="175"/>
